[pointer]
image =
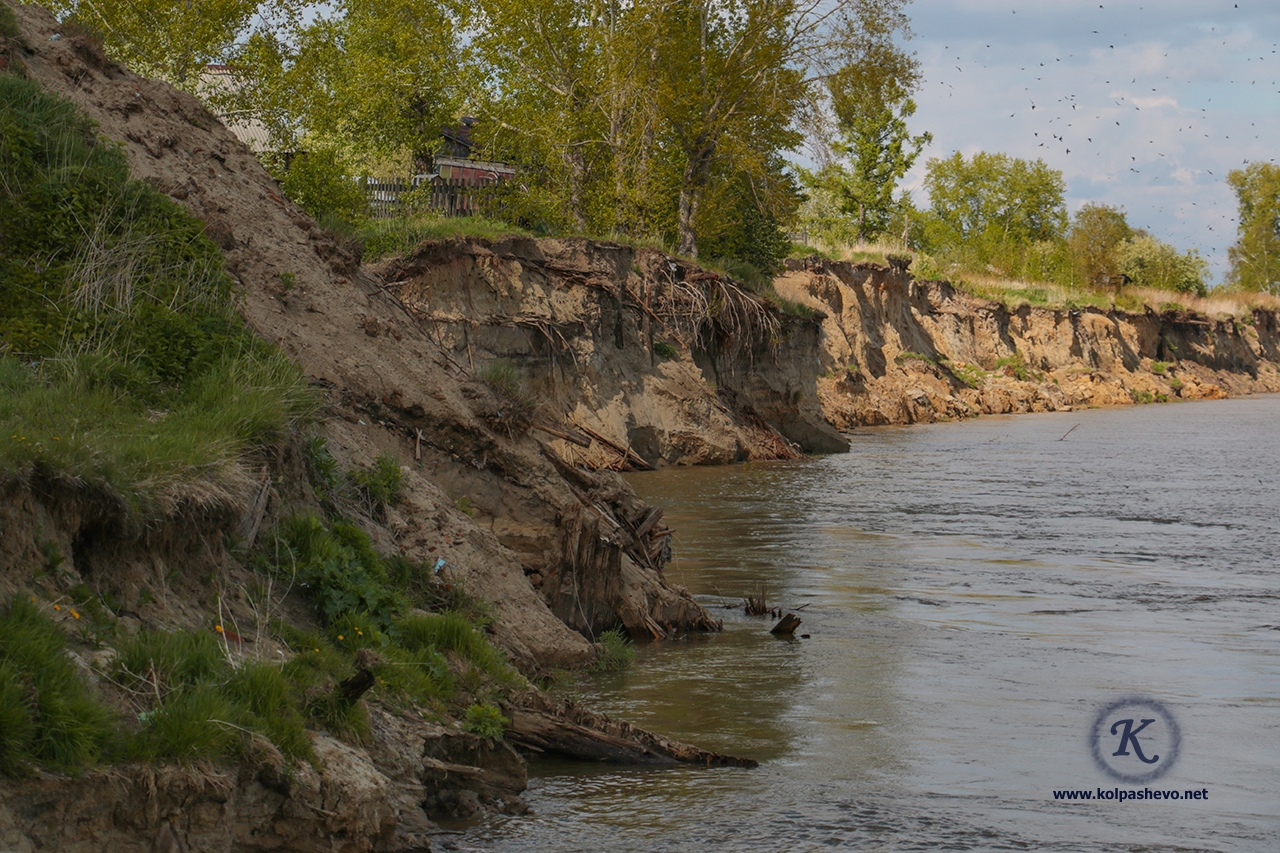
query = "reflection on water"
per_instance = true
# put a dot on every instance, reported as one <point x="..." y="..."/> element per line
<point x="974" y="593"/>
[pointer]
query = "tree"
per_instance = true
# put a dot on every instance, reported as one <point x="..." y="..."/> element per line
<point x="880" y="152"/>
<point x="375" y="79"/>
<point x="871" y="102"/>
<point x="1097" y="231"/>
<point x="733" y="77"/>
<point x="1149" y="262"/>
<point x="170" y="40"/>
<point x="995" y="197"/>
<point x="1255" y="257"/>
<point x="567" y="102"/>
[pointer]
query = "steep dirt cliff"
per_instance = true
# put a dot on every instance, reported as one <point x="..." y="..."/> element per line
<point x="652" y="359"/>
<point x="899" y="351"/>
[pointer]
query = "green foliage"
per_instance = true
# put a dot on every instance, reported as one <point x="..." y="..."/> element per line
<point x="189" y="724"/>
<point x="336" y="565"/>
<point x="632" y="121"/>
<point x="325" y="476"/>
<point x="871" y="100"/>
<point x="1255" y="257"/>
<point x="740" y="219"/>
<point x="970" y="374"/>
<point x="1013" y="365"/>
<point x="8" y="22"/>
<point x="47" y="715"/>
<point x="1159" y="367"/>
<point x="664" y="350"/>
<point x="381" y="483"/>
<point x="800" y="250"/>
<point x="908" y="355"/>
<point x="268" y="702"/>
<point x="157" y="38"/>
<point x="452" y="632"/>
<point x="996" y="210"/>
<point x="1149" y="262"/>
<point x="202" y="707"/>
<point x="753" y="278"/>
<point x="616" y="651"/>
<point x="517" y="402"/>
<point x="322" y="185"/>
<point x="1148" y="396"/>
<point x="485" y="721"/>
<point x="169" y="660"/>
<point x="125" y="367"/>
<point x="1097" y="233"/>
<point x="371" y="78"/>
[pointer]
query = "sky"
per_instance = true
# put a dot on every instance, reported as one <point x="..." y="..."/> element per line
<point x="1142" y="105"/>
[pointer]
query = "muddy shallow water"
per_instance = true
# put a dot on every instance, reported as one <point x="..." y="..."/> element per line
<point x="975" y="594"/>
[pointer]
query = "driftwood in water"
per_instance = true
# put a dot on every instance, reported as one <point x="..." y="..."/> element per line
<point x="570" y="731"/>
<point x="787" y="625"/>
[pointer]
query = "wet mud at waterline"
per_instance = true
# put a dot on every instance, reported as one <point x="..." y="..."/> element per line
<point x="975" y="594"/>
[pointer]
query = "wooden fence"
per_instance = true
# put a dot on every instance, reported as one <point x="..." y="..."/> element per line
<point x="446" y="196"/>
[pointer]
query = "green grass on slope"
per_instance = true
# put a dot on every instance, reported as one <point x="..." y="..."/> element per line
<point x="124" y="366"/>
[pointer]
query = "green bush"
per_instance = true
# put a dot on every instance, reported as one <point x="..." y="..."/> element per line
<point x="169" y="660"/>
<point x="47" y="715"/>
<point x="1018" y="368"/>
<point x="381" y="484"/>
<point x="204" y="707"/>
<point x="617" y="651"/>
<point x="662" y="349"/>
<point x="8" y="22"/>
<point x="450" y="632"/>
<point x="1153" y="263"/>
<point x="322" y="186"/>
<point x="189" y="724"/>
<point x="485" y="721"/>
<point x="518" y="403"/>
<point x="336" y="565"/>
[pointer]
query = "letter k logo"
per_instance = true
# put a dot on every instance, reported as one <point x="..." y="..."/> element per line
<point x="1131" y="736"/>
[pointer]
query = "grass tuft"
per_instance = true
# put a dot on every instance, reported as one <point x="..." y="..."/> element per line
<point x="381" y="484"/>
<point x="485" y="721"/>
<point x="399" y="237"/>
<point x="47" y="715"/>
<point x="617" y="651"/>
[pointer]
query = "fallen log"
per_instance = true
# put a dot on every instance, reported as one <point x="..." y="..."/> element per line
<point x="568" y="730"/>
<point x="649" y="523"/>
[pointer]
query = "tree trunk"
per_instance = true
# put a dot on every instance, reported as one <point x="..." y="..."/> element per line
<point x="577" y="180"/>
<point x="691" y="184"/>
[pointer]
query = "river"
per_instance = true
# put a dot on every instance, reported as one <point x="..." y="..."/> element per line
<point x="975" y="595"/>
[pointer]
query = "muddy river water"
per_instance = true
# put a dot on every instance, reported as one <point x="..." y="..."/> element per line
<point x="976" y="595"/>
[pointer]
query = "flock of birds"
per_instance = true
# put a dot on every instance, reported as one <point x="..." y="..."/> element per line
<point x="1090" y="110"/>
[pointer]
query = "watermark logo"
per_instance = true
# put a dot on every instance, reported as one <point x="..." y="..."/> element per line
<point x="1135" y="740"/>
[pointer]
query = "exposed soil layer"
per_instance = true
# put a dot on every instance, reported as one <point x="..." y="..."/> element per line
<point x="900" y="351"/>
<point x="646" y="359"/>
